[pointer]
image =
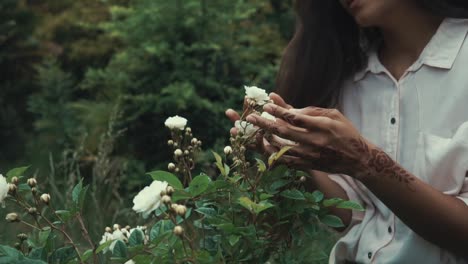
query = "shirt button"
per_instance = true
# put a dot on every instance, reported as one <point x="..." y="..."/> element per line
<point x="393" y="120"/>
<point x="389" y="229"/>
<point x="369" y="255"/>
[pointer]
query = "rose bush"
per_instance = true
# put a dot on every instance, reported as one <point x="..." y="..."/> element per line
<point x="252" y="211"/>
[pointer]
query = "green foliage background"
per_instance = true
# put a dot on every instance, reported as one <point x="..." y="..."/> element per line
<point x="86" y="85"/>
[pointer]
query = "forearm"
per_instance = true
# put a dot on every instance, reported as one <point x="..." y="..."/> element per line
<point x="438" y="218"/>
<point x="320" y="181"/>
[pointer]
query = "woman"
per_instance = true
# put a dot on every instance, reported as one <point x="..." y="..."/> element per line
<point x="396" y="70"/>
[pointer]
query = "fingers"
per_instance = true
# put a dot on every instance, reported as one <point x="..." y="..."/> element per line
<point x="278" y="100"/>
<point x="295" y="118"/>
<point x="284" y="131"/>
<point x="317" y="111"/>
<point x="232" y="115"/>
<point x="264" y="146"/>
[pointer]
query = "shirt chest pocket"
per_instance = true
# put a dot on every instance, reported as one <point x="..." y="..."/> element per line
<point x="443" y="162"/>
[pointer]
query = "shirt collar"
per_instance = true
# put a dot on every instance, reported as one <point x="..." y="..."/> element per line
<point x="440" y="52"/>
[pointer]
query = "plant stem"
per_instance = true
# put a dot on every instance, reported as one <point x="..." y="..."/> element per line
<point x="30" y="225"/>
<point x="86" y="235"/>
<point x="64" y="234"/>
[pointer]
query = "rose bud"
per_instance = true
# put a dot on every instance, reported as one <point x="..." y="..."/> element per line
<point x="171" y="166"/>
<point x="108" y="230"/>
<point x="45" y="198"/>
<point x="12" y="188"/>
<point x="32" y="210"/>
<point x="15" y="180"/>
<point x="12" y="217"/>
<point x="170" y="142"/>
<point x="178" y="152"/>
<point x="178" y="231"/>
<point x="181" y="210"/>
<point x="166" y="199"/>
<point x="22" y="236"/>
<point x="32" y="182"/>
<point x="169" y="190"/>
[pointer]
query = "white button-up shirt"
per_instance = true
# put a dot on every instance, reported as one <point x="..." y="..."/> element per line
<point x="421" y="121"/>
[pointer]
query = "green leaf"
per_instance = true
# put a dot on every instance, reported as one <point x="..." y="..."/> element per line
<point x="16" y="172"/>
<point x="350" y="205"/>
<point x="278" y="184"/>
<point x="168" y="177"/>
<point x="277" y="155"/>
<point x="332" y="221"/>
<point x="180" y="195"/>
<point x="254" y="207"/>
<point x="86" y="255"/>
<point x="293" y="194"/>
<point x="262" y="206"/>
<point x="63" y="255"/>
<point x="246" y="203"/>
<point x="160" y="228"/>
<point x="104" y="246"/>
<point x="120" y="249"/>
<point x="219" y="163"/>
<point x="206" y="211"/>
<point x="64" y="214"/>
<point x="265" y="196"/>
<point x="233" y="239"/>
<point x="79" y="194"/>
<point x="261" y="165"/>
<point x="332" y="202"/>
<point x="227" y="169"/>
<point x="6" y="251"/>
<point x="76" y="192"/>
<point x="199" y="184"/>
<point x="136" y="238"/>
<point x="318" y="196"/>
<point x="38" y="253"/>
<point x="44" y="235"/>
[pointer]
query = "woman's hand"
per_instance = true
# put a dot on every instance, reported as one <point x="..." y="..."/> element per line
<point x="234" y="116"/>
<point x="326" y="140"/>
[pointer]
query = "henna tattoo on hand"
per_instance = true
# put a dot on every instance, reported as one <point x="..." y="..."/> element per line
<point x="379" y="164"/>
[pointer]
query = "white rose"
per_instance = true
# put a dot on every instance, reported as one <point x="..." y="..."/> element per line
<point x="149" y="199"/>
<point x="258" y="95"/>
<point x="106" y="237"/>
<point x="176" y="122"/>
<point x="4" y="187"/>
<point x="246" y="128"/>
<point x="117" y="235"/>
<point x="268" y="116"/>
<point x="130" y="262"/>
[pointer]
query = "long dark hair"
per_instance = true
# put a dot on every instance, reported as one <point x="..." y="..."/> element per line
<point x="328" y="47"/>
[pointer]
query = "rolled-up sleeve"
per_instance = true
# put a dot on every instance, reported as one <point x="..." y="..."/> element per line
<point x="354" y="194"/>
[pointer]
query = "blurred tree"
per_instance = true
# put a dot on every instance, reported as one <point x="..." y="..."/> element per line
<point x="151" y="58"/>
<point x="185" y="57"/>
<point x="18" y="50"/>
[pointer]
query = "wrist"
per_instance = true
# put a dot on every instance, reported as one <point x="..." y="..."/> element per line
<point x="374" y="163"/>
